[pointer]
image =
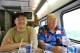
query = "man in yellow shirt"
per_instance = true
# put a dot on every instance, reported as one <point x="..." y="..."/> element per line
<point x="20" y="35"/>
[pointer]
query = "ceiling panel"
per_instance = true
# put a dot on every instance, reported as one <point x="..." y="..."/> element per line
<point x="26" y="9"/>
<point x="16" y="0"/>
<point x="25" y="5"/>
<point x="14" y="3"/>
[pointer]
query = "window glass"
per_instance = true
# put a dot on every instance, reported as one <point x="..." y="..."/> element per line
<point x="43" y="23"/>
<point x="71" y="22"/>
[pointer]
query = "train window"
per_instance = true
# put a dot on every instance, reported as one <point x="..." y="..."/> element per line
<point x="42" y="23"/>
<point x="71" y="22"/>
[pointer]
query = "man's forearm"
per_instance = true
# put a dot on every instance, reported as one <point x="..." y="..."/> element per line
<point x="9" y="47"/>
<point x="41" y="44"/>
<point x="45" y="46"/>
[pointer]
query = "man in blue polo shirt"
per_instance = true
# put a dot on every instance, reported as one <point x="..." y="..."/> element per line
<point x="50" y="37"/>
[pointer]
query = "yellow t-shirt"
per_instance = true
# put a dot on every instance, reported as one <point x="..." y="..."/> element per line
<point x="28" y="35"/>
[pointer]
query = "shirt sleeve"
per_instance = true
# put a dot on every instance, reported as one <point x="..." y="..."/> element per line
<point x="41" y="37"/>
<point x="33" y="38"/>
<point x="7" y="38"/>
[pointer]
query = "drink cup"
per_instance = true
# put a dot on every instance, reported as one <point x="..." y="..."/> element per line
<point x="29" y="48"/>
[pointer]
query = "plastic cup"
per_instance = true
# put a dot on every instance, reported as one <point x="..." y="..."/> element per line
<point x="29" y="48"/>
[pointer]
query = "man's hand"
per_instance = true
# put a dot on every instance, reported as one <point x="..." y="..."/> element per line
<point x="23" y="44"/>
<point x="57" y="49"/>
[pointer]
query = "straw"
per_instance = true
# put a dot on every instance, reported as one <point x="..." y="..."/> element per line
<point x="21" y="42"/>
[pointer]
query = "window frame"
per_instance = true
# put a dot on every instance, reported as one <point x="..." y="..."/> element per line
<point x="62" y="23"/>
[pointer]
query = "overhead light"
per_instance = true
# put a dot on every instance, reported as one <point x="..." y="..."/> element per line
<point x="51" y="5"/>
<point x="15" y="12"/>
<point x="35" y="4"/>
<point x="55" y="4"/>
<point x="44" y="9"/>
<point x="42" y="12"/>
